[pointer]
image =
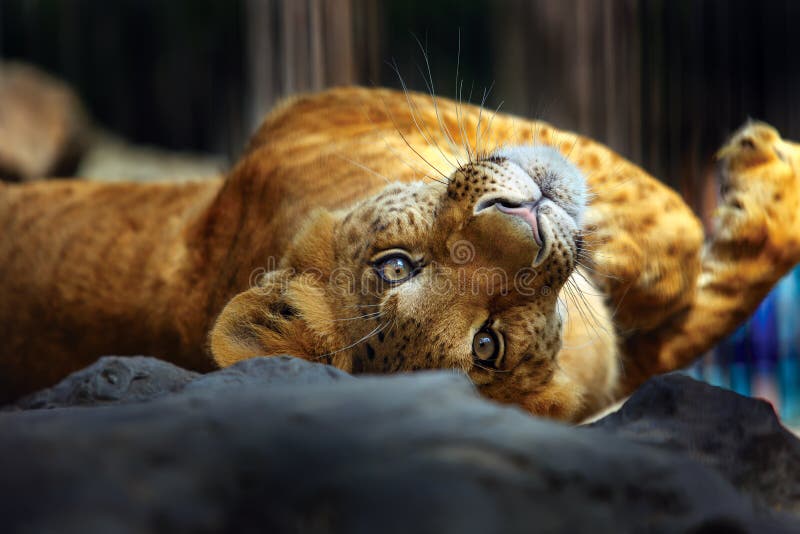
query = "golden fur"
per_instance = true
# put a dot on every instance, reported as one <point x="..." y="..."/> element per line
<point x="284" y="255"/>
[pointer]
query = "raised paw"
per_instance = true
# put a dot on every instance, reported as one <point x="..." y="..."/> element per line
<point x="760" y="194"/>
<point x="756" y="240"/>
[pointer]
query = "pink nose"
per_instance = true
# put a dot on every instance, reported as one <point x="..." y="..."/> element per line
<point x="528" y="212"/>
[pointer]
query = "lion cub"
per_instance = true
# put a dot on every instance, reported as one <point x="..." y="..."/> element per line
<point x="379" y="232"/>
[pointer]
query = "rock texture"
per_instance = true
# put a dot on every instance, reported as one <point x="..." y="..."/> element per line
<point x="111" y="380"/>
<point x="283" y="445"/>
<point x="125" y="379"/>
<point x="739" y="437"/>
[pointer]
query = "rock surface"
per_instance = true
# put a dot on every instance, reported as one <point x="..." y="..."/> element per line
<point x="278" y="444"/>
<point x="124" y="379"/>
<point x="110" y="380"/>
<point x="739" y="437"/>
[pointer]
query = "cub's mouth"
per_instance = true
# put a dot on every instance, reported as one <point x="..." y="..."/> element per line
<point x="527" y="211"/>
<point x="530" y="213"/>
<point x="538" y="188"/>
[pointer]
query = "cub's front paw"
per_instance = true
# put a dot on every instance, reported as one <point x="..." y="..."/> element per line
<point x="760" y="193"/>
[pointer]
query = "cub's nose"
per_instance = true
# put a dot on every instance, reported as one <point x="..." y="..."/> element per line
<point x="527" y="211"/>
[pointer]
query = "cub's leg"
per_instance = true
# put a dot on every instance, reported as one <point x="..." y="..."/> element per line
<point x="755" y="241"/>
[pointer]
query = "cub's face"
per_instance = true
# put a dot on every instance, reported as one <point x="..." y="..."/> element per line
<point x="462" y="273"/>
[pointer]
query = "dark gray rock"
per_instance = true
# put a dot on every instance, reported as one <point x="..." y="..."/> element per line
<point x="739" y="437"/>
<point x="404" y="453"/>
<point x="125" y="379"/>
<point x="110" y="380"/>
<point x="270" y="371"/>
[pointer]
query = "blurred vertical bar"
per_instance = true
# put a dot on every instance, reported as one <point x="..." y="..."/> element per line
<point x="584" y="51"/>
<point x="297" y="46"/>
<point x="294" y="38"/>
<point x="611" y="55"/>
<point x="368" y="41"/>
<point x="316" y="48"/>
<point x="261" y="53"/>
<point x="339" y="60"/>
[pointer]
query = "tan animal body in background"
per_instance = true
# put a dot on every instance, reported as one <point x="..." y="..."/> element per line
<point x="384" y="232"/>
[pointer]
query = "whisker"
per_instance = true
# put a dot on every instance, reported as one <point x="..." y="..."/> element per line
<point x="491" y="370"/>
<point x="364" y="167"/>
<point x="408" y="144"/>
<point x="350" y="346"/>
<point x="412" y="107"/>
<point x="460" y="119"/>
<point x="577" y="292"/>
<point x="409" y="165"/>
<point x="599" y="293"/>
<point x="459" y="105"/>
<point x="574" y="142"/>
<point x="431" y="139"/>
<point x="584" y="308"/>
<point x="469" y="99"/>
<point x="568" y="290"/>
<point x="443" y="130"/>
<point x="365" y="316"/>
<point x="595" y="272"/>
<point x="478" y="151"/>
<point x="391" y="149"/>
<point x="519" y="139"/>
<point x="491" y="120"/>
<point x="619" y="304"/>
<point x="430" y="87"/>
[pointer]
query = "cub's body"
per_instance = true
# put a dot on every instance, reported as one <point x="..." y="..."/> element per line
<point x="88" y="269"/>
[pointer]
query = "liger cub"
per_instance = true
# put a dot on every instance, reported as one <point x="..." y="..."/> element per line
<point x="381" y="231"/>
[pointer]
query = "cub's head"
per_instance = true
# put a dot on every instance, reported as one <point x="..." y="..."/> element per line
<point x="461" y="273"/>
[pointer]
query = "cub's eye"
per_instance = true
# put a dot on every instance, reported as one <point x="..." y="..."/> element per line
<point x="395" y="269"/>
<point x="486" y="347"/>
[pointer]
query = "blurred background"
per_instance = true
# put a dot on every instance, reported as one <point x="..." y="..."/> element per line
<point x="183" y="83"/>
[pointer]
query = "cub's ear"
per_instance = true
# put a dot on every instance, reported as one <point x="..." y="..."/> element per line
<point x="285" y="314"/>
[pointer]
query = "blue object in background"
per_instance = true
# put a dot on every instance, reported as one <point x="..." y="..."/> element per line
<point x="787" y="310"/>
<point x="736" y="351"/>
<point x="716" y="370"/>
<point x="763" y="331"/>
<point x="762" y="357"/>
